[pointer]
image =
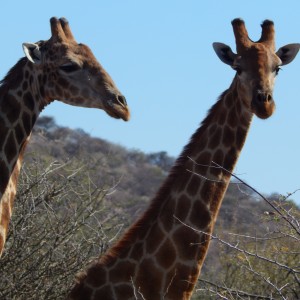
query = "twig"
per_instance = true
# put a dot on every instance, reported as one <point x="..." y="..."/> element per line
<point x="234" y="292"/>
<point x="263" y="197"/>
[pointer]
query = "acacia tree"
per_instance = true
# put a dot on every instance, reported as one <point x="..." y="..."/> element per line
<point x="60" y="224"/>
<point x="263" y="263"/>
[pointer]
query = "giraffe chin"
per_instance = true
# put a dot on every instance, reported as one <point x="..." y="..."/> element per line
<point x="123" y="114"/>
<point x="264" y="111"/>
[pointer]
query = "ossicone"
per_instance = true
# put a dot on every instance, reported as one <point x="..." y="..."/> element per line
<point x="60" y="29"/>
<point x="242" y="39"/>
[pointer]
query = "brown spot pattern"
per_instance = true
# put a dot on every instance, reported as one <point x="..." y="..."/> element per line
<point x="25" y="85"/>
<point x="167" y="215"/>
<point x="124" y="291"/>
<point x="104" y="293"/>
<point x="222" y="118"/>
<point x="122" y="271"/>
<point x="15" y="110"/>
<point x="203" y="162"/>
<point x="232" y="118"/>
<point x="96" y="276"/>
<point x="215" y="140"/>
<point x="228" y="136"/>
<point x="28" y="101"/>
<point x="184" y="239"/>
<point x="26" y="122"/>
<point x="240" y="137"/>
<point x="238" y="108"/>
<point x="155" y="236"/>
<point x="64" y="83"/>
<point x="183" y="207"/>
<point x="11" y="108"/>
<point x="3" y="132"/>
<point x="166" y="254"/>
<point x="207" y="191"/>
<point x="228" y="100"/>
<point x="19" y="133"/>
<point x="230" y="159"/>
<point x="137" y="251"/>
<point x="194" y="185"/>
<point x="218" y="158"/>
<point x="212" y="129"/>
<point x="74" y="90"/>
<point x="181" y="284"/>
<point x="181" y="181"/>
<point x="10" y="147"/>
<point x="149" y="279"/>
<point x="200" y="215"/>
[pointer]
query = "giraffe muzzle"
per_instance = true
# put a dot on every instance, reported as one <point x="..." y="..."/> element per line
<point x="263" y="104"/>
<point x="117" y="107"/>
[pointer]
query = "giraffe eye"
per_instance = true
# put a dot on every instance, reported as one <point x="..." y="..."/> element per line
<point x="237" y="69"/>
<point x="277" y="69"/>
<point x="69" y="67"/>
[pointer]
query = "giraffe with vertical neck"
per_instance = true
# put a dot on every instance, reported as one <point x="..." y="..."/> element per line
<point x="58" y="68"/>
<point x="161" y="255"/>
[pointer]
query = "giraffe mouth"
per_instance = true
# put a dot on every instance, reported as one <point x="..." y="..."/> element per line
<point x="118" y="112"/>
<point x="263" y="110"/>
<point x="117" y="108"/>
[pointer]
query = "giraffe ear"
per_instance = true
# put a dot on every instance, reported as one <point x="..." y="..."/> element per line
<point x="32" y="52"/>
<point x="225" y="53"/>
<point x="287" y="53"/>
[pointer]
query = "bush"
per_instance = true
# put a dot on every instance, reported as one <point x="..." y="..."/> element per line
<point x="60" y="223"/>
<point x="262" y="263"/>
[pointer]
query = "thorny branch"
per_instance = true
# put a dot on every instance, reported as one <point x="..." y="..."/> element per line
<point x="245" y="252"/>
<point x="233" y="292"/>
<point x="257" y="260"/>
<point x="279" y="211"/>
<point x="50" y="237"/>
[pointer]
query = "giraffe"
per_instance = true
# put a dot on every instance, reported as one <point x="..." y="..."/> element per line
<point x="160" y="256"/>
<point x="58" y="68"/>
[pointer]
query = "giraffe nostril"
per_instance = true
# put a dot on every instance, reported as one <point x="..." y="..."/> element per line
<point x="122" y="100"/>
<point x="264" y="98"/>
<point x="260" y="98"/>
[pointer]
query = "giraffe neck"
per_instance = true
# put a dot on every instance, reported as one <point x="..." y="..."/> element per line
<point x="19" y="109"/>
<point x="161" y="255"/>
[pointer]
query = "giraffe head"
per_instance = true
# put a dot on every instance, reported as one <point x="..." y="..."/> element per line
<point x="69" y="72"/>
<point x="256" y="65"/>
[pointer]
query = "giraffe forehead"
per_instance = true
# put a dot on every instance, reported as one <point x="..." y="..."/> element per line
<point x="258" y="57"/>
<point x="83" y="54"/>
<point x="57" y="53"/>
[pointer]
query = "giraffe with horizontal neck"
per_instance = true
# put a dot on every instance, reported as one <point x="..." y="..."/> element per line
<point x="58" y="68"/>
<point x="161" y="255"/>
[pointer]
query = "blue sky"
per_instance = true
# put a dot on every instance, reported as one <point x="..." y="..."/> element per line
<point x="160" y="55"/>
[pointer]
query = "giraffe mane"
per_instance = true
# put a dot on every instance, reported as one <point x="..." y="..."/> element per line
<point x="14" y="73"/>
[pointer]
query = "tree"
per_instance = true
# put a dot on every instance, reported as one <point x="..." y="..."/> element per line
<point x="60" y="223"/>
<point x="262" y="263"/>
